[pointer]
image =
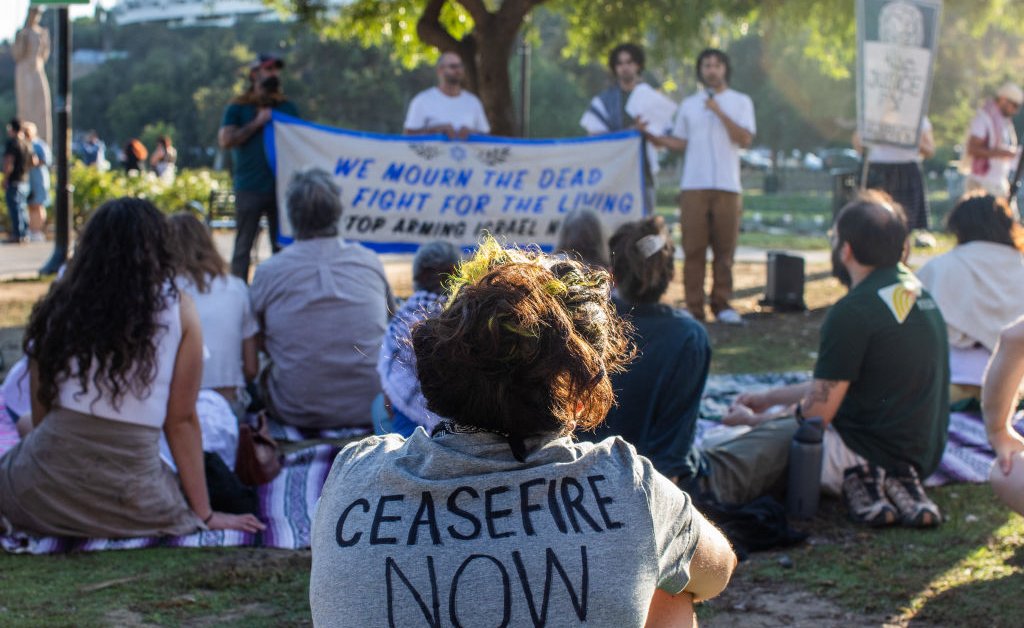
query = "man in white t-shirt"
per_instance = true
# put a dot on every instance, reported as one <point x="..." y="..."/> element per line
<point x="992" y="145"/>
<point x="711" y="128"/>
<point x="447" y="108"/>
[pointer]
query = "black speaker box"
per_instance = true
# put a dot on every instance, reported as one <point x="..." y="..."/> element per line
<point x="785" y="282"/>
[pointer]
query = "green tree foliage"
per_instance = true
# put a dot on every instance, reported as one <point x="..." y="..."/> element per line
<point x="181" y="79"/>
<point x="484" y="33"/>
<point x="188" y="190"/>
<point x="809" y="52"/>
<point x="560" y="87"/>
<point x="818" y="37"/>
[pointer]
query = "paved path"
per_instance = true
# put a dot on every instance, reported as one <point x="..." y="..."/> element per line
<point x="24" y="261"/>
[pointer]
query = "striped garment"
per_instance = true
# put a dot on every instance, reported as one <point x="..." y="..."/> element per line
<point x="287" y="503"/>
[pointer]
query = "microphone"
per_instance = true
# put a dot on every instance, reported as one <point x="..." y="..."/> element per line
<point x="711" y="94"/>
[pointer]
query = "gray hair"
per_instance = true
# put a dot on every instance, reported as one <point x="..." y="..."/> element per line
<point x="314" y="204"/>
<point x="582" y="236"/>
<point x="433" y="260"/>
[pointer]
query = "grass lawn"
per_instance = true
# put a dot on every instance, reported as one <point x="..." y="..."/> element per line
<point x="969" y="572"/>
<point x="798" y="221"/>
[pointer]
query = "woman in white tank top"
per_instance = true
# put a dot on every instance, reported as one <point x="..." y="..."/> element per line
<point x="222" y="301"/>
<point x="115" y="358"/>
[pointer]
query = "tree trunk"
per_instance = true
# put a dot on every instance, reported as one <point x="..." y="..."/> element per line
<point x="485" y="52"/>
<point x="492" y="80"/>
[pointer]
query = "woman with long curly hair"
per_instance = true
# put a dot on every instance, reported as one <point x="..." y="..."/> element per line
<point x="115" y="357"/>
<point x="500" y="515"/>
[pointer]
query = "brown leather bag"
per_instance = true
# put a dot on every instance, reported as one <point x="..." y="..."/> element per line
<point x="259" y="457"/>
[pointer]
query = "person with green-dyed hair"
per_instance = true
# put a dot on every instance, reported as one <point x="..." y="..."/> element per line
<point x="499" y="516"/>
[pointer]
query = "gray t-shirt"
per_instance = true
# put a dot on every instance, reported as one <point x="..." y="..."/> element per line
<point x="323" y="307"/>
<point x="453" y="531"/>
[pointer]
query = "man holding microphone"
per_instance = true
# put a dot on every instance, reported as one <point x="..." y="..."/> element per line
<point x="711" y="127"/>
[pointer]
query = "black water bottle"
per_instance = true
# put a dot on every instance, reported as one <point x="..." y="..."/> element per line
<point x="805" y="458"/>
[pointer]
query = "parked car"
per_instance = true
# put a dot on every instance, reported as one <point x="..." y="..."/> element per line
<point x="756" y="159"/>
<point x="841" y="158"/>
<point x="812" y="162"/>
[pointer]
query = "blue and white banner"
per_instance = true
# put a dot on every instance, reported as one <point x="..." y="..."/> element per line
<point x="400" y="191"/>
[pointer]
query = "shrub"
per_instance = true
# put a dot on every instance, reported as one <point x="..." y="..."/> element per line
<point x="91" y="188"/>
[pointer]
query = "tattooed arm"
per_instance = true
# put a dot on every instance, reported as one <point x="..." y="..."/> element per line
<point x="823" y="398"/>
<point x="819" y="397"/>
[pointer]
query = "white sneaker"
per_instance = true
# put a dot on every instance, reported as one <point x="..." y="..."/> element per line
<point x="36" y="236"/>
<point x="729" y="317"/>
<point x="925" y="240"/>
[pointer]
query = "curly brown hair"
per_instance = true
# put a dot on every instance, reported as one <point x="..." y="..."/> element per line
<point x="642" y="268"/>
<point x="103" y="311"/>
<point x="524" y="346"/>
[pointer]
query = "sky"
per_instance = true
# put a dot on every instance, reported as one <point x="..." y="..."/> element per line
<point x="12" y="18"/>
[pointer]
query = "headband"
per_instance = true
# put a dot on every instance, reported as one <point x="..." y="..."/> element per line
<point x="650" y="244"/>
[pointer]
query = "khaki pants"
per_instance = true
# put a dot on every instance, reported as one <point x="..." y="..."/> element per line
<point x="756" y="463"/>
<point x="751" y="465"/>
<point x="709" y="218"/>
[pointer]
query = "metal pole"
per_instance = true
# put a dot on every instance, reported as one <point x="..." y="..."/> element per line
<point x="1016" y="182"/>
<point x="524" y="87"/>
<point x="864" y="168"/>
<point x="62" y="146"/>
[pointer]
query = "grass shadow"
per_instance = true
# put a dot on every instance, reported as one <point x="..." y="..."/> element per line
<point x="907" y="574"/>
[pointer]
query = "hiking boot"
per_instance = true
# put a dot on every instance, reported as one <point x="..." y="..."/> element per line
<point x="903" y="488"/>
<point x="864" y="494"/>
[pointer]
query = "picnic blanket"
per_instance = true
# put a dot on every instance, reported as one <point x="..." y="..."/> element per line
<point x="967" y="458"/>
<point x="287" y="503"/>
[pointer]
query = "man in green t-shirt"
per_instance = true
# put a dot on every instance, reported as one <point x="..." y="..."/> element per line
<point x="242" y="131"/>
<point x="881" y="385"/>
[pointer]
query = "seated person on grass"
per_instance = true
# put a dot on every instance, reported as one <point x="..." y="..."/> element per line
<point x="998" y="402"/>
<point x="230" y="359"/>
<point x="115" y="360"/>
<point x="970" y="284"/>
<point x="659" y="392"/>
<point x="881" y="385"/>
<point x="582" y="237"/>
<point x="404" y="401"/>
<point x="322" y="304"/>
<point x="501" y="517"/>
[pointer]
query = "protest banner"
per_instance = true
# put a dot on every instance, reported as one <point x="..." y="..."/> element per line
<point x="896" y="47"/>
<point x="399" y="191"/>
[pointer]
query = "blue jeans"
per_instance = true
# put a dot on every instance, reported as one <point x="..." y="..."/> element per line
<point x="16" y="196"/>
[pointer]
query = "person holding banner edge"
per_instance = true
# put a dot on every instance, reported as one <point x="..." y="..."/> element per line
<point x="607" y="113"/>
<point x="241" y="131"/>
<point x="711" y="127"/>
<point x="447" y="108"/>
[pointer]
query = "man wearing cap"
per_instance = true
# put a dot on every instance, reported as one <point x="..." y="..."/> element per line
<point x="992" y="145"/>
<point x="447" y="108"/>
<point x="241" y="131"/>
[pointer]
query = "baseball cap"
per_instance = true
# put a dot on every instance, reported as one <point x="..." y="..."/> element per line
<point x="1011" y="92"/>
<point x="264" y="60"/>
